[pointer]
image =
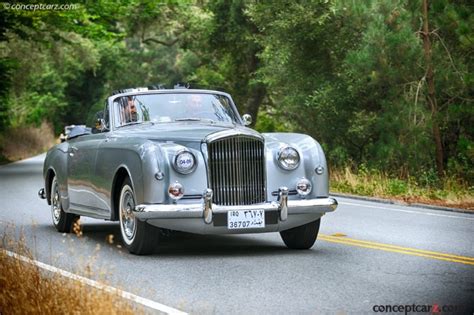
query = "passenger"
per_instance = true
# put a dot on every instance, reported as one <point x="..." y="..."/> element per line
<point x="194" y="103"/>
<point x="197" y="106"/>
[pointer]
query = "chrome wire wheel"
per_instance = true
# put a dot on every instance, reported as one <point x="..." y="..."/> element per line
<point x="55" y="202"/>
<point x="128" y="221"/>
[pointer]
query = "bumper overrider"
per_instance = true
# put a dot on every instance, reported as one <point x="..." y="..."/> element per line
<point x="206" y="209"/>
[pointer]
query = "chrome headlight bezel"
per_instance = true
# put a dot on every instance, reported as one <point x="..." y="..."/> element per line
<point x="285" y="154"/>
<point x="181" y="158"/>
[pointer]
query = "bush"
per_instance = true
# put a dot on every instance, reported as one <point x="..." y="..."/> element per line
<point x="397" y="187"/>
<point x="23" y="142"/>
<point x="426" y="188"/>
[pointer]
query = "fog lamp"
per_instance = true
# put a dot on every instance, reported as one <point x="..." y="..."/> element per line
<point x="176" y="191"/>
<point x="303" y="187"/>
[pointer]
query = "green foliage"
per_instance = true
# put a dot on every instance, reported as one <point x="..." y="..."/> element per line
<point x="448" y="191"/>
<point x="270" y="121"/>
<point x="397" y="187"/>
<point x="352" y="74"/>
<point x="349" y="73"/>
<point x="6" y="69"/>
<point x="231" y="55"/>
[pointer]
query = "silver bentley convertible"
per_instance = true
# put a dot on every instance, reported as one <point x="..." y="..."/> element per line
<point x="183" y="159"/>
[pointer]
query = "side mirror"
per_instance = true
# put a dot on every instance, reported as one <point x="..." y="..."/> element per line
<point x="100" y="125"/>
<point x="247" y="119"/>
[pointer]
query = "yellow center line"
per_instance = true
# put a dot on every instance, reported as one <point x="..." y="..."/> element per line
<point x="399" y="249"/>
<point x="347" y="239"/>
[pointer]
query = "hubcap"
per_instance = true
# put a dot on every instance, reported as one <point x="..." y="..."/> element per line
<point x="127" y="218"/>
<point x="55" y="204"/>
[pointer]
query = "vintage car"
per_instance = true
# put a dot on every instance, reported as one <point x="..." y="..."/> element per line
<point x="184" y="160"/>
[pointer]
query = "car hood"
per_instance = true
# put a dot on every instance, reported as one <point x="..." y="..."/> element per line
<point x="183" y="132"/>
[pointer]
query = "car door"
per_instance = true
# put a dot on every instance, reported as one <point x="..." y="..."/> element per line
<point x="83" y="194"/>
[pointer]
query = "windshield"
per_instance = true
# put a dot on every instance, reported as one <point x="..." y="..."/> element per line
<point x="163" y="108"/>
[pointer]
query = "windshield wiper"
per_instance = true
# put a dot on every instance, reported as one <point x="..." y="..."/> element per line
<point x="207" y="120"/>
<point x="136" y="123"/>
<point x="188" y="119"/>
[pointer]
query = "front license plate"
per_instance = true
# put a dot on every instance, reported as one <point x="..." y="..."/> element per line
<point x="245" y="219"/>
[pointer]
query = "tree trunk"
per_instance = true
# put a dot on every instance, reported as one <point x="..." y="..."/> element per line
<point x="431" y="96"/>
<point x="255" y="99"/>
<point x="256" y="93"/>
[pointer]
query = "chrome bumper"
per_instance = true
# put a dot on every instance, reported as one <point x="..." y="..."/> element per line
<point x="206" y="208"/>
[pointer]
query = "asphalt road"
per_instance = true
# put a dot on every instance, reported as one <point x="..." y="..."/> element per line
<point x="368" y="254"/>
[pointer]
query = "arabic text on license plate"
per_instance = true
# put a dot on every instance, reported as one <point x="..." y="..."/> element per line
<point x="246" y="219"/>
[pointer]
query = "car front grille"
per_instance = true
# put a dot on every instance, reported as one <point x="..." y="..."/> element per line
<point x="237" y="170"/>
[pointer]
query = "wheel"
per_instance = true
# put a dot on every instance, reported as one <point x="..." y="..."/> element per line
<point x="62" y="221"/>
<point x="139" y="237"/>
<point x="301" y="237"/>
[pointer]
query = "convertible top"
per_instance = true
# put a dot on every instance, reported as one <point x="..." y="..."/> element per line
<point x="78" y="130"/>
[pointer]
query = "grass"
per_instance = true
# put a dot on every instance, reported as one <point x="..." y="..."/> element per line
<point x="22" y="142"/>
<point x="449" y="192"/>
<point x="26" y="289"/>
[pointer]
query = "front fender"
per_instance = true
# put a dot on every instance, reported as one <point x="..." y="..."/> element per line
<point x="162" y="154"/>
<point x="311" y="156"/>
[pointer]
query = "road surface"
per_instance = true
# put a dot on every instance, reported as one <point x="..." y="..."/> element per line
<point x="369" y="257"/>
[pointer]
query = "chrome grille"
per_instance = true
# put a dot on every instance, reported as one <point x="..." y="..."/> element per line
<point x="237" y="170"/>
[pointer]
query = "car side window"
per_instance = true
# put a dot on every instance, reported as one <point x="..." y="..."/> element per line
<point x="130" y="110"/>
<point x="107" y="116"/>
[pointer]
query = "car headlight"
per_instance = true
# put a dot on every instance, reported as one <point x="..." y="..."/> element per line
<point x="288" y="158"/>
<point x="184" y="162"/>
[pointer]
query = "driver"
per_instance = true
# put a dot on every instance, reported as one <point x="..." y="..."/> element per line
<point x="129" y="111"/>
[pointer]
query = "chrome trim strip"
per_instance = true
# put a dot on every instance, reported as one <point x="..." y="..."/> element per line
<point x="291" y="192"/>
<point x="190" y="197"/>
<point x="233" y="132"/>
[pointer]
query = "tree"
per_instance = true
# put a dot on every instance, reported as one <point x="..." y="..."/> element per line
<point x="230" y="55"/>
<point x="368" y="79"/>
<point x="431" y="95"/>
<point x="354" y="75"/>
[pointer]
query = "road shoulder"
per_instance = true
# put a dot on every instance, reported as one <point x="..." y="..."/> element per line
<point x="401" y="203"/>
